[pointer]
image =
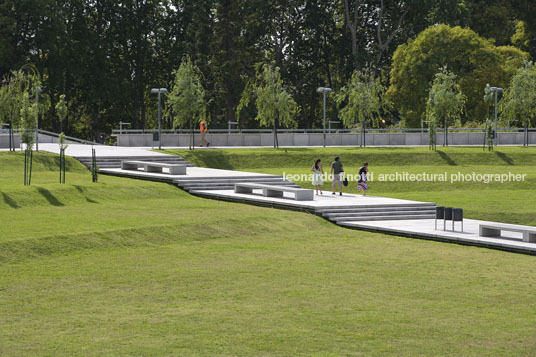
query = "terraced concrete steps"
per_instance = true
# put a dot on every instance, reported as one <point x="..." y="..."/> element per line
<point x="379" y="212"/>
<point x="113" y="162"/>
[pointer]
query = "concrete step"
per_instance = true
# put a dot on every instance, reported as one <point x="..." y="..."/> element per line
<point x="196" y="186"/>
<point x="383" y="218"/>
<point x="373" y="208"/>
<point x="210" y="188"/>
<point x="224" y="180"/>
<point x="372" y="211"/>
<point x="243" y="178"/>
<point x="376" y="213"/>
<point x="115" y="161"/>
<point x="336" y="216"/>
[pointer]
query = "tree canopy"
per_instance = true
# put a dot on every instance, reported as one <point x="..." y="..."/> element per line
<point x="361" y="100"/>
<point x="473" y="59"/>
<point x="445" y="102"/>
<point x="273" y="102"/>
<point x="518" y="105"/>
<point x="186" y="100"/>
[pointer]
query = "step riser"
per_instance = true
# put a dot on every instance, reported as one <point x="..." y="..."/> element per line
<point x="384" y="218"/>
<point x="378" y="209"/>
<point x="408" y="213"/>
<point x="186" y="182"/>
<point x="391" y="209"/>
<point x="272" y="177"/>
<point x="231" y="187"/>
<point x="375" y="207"/>
<point x="230" y="182"/>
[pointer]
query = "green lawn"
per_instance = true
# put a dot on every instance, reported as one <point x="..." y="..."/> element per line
<point x="127" y="267"/>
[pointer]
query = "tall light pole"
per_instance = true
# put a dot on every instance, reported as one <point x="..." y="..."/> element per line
<point x="324" y="90"/>
<point x="496" y="90"/>
<point x="159" y="91"/>
<point x="37" y="91"/>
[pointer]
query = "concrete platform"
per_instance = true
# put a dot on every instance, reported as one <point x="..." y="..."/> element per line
<point x="326" y="200"/>
<point x="78" y="150"/>
<point x="425" y="229"/>
<point x="191" y="173"/>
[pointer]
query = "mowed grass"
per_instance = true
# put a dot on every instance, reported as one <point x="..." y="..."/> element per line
<point x="127" y="267"/>
<point x="509" y="202"/>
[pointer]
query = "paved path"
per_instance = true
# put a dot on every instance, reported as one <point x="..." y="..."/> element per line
<point x="80" y="150"/>
<point x="419" y="228"/>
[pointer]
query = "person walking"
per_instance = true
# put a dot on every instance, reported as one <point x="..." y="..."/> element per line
<point x="362" y="181"/>
<point x="336" y="170"/>
<point x="203" y="128"/>
<point x="318" y="171"/>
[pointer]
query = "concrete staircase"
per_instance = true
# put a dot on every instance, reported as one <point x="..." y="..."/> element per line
<point x="192" y="184"/>
<point x="114" y="162"/>
<point x="379" y="212"/>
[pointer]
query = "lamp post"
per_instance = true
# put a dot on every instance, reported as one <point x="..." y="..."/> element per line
<point x="37" y="91"/>
<point x="496" y="90"/>
<point x="324" y="90"/>
<point x="159" y="91"/>
<point x="332" y="122"/>
<point x="121" y="123"/>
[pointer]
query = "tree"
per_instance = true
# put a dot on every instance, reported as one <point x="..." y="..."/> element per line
<point x="61" y="111"/>
<point x="275" y="105"/>
<point x="446" y="102"/>
<point x="519" y="101"/>
<point x="28" y="115"/>
<point x="474" y="60"/>
<point x="488" y="131"/>
<point x="11" y="100"/>
<point x="362" y="100"/>
<point x="186" y="101"/>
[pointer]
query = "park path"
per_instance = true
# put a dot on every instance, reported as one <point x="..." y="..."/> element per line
<point x="370" y="213"/>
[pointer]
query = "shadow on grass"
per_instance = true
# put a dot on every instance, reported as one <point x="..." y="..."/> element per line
<point x="83" y="190"/>
<point x="446" y="158"/>
<point x="49" y="197"/>
<point x="507" y="159"/>
<point x="9" y="201"/>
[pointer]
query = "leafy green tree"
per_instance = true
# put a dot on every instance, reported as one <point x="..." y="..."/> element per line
<point x="519" y="101"/>
<point x="186" y="101"/>
<point x="474" y="60"/>
<point x="361" y="101"/>
<point x="61" y="111"/>
<point x="445" y="103"/>
<point x="63" y="145"/>
<point x="275" y="105"/>
<point x="488" y="131"/>
<point x="11" y="94"/>
<point x="28" y="115"/>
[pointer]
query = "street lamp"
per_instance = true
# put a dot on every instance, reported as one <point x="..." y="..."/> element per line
<point x="37" y="91"/>
<point x="496" y="90"/>
<point x="159" y="91"/>
<point x="121" y="123"/>
<point x="324" y="90"/>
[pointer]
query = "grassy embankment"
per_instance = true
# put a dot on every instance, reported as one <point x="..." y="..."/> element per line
<point x="127" y="267"/>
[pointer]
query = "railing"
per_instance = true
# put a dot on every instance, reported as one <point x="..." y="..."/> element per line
<point x="116" y="132"/>
<point x="69" y="138"/>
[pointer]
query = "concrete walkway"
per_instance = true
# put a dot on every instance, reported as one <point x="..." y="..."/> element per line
<point x="321" y="204"/>
<point x="80" y="150"/>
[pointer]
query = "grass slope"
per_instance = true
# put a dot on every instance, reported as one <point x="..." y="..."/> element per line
<point x="509" y="202"/>
<point x="126" y="267"/>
